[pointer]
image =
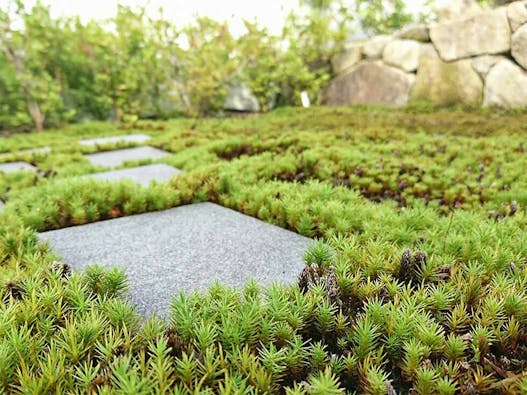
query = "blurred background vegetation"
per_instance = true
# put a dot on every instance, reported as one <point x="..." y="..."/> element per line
<point x="59" y="70"/>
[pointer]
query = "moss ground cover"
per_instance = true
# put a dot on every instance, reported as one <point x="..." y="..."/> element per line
<point x="417" y="282"/>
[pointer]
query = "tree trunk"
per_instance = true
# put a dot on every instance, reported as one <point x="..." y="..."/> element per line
<point x="36" y="114"/>
<point x="117" y="111"/>
<point x="32" y="106"/>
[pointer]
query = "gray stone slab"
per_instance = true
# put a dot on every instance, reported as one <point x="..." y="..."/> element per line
<point x="118" y="157"/>
<point x="183" y="249"/>
<point x="129" y="138"/>
<point x="142" y="174"/>
<point x="16" y="166"/>
<point x="39" y="150"/>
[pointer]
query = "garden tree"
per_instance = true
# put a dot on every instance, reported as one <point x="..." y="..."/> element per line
<point x="79" y="64"/>
<point x="116" y="56"/>
<point x="122" y="64"/>
<point x="27" y="69"/>
<point x="317" y="29"/>
<point x="338" y="19"/>
<point x="112" y="67"/>
<point x="262" y="62"/>
<point x="206" y="66"/>
<point x="159" y="94"/>
<point x="382" y="16"/>
<point x="270" y="67"/>
<point x="13" y="108"/>
<point x="311" y="35"/>
<point x="148" y="45"/>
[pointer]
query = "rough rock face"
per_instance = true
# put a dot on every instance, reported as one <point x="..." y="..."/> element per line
<point x="473" y="55"/>
<point x="414" y="32"/>
<point x="519" y="46"/>
<point x="403" y="54"/>
<point x="351" y="55"/>
<point x="484" y="34"/>
<point x="517" y="13"/>
<point x="482" y="64"/>
<point x="241" y="98"/>
<point x="506" y="86"/>
<point x="446" y="83"/>
<point x="370" y="82"/>
<point x="448" y="10"/>
<point x="374" y="47"/>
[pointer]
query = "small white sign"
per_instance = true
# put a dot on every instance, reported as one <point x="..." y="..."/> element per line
<point x="305" y="99"/>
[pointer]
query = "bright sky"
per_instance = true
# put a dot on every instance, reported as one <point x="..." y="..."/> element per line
<point x="268" y="13"/>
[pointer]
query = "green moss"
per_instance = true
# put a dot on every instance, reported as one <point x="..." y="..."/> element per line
<point x="417" y="282"/>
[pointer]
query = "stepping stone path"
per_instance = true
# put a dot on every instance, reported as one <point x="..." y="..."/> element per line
<point x="183" y="249"/>
<point x="16" y="166"/>
<point x="142" y="174"/>
<point x="118" y="157"/>
<point x="130" y="138"/>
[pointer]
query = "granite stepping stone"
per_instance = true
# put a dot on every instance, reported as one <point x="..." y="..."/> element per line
<point x="118" y="157"/>
<point x="16" y="166"/>
<point x="39" y="150"/>
<point x="129" y="138"/>
<point x="183" y="249"/>
<point x="141" y="175"/>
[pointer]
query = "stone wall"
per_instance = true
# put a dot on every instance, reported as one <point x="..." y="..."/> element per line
<point x="477" y="60"/>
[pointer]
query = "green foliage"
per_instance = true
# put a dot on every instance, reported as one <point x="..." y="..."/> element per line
<point x="377" y="17"/>
<point x="132" y="66"/>
<point x="29" y="73"/>
<point x="204" y="67"/>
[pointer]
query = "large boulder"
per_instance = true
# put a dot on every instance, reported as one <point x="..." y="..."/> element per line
<point x="448" y="10"/>
<point x="483" y="64"/>
<point x="374" y="47"/>
<point x="519" y="46"/>
<point x="517" y="13"/>
<point x="418" y="32"/>
<point x="370" y="82"/>
<point x="351" y="55"/>
<point x="446" y="83"/>
<point x="506" y="86"/>
<point x="241" y="98"/>
<point x="484" y="34"/>
<point x="403" y="54"/>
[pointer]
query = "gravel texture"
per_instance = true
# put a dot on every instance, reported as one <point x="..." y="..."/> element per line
<point x="16" y="166"/>
<point x="118" y="157"/>
<point x="183" y="249"/>
<point x="142" y="174"/>
<point x="130" y="138"/>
